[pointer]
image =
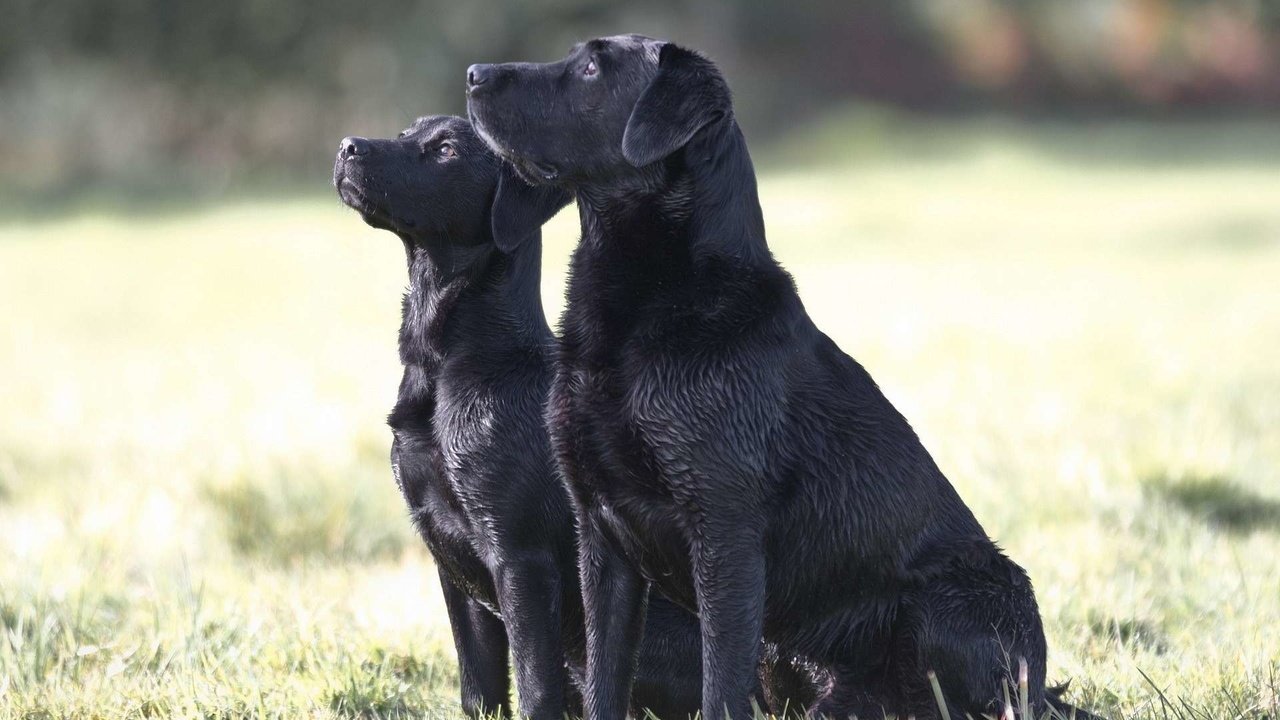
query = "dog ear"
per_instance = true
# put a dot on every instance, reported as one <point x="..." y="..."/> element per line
<point x="520" y="209"/>
<point x="688" y="94"/>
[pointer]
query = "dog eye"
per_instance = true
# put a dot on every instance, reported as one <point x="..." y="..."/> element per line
<point x="590" y="70"/>
<point x="446" y="151"/>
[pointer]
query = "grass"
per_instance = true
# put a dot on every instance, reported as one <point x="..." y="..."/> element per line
<point x="197" y="518"/>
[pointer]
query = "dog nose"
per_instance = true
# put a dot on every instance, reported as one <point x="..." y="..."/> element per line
<point x="352" y="146"/>
<point x="478" y="75"/>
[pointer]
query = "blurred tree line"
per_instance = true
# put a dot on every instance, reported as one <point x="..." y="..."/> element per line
<point x="199" y="93"/>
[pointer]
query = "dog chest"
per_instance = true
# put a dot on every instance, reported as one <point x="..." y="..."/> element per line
<point x="438" y="512"/>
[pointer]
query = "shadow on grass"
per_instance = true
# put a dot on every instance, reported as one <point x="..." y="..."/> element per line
<point x="1218" y="501"/>
<point x="1129" y="632"/>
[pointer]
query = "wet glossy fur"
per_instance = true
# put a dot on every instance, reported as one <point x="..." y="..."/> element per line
<point x="717" y="444"/>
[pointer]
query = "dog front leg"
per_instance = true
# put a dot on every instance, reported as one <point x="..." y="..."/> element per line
<point x="614" y="599"/>
<point x="481" y="642"/>
<point x="529" y="589"/>
<point x="729" y="579"/>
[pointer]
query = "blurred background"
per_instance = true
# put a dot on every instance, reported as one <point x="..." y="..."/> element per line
<point x="1050" y="230"/>
<point x="195" y="97"/>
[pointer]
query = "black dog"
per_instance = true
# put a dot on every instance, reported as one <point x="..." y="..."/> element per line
<point x="716" y="443"/>
<point x="471" y="452"/>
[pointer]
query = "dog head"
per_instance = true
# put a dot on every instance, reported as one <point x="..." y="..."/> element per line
<point x="610" y="109"/>
<point x="437" y="183"/>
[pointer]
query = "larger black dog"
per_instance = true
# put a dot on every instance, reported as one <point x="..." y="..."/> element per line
<point x="471" y="452"/>
<point x="717" y="444"/>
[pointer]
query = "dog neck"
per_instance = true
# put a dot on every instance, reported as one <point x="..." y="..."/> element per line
<point x="693" y="222"/>
<point x="470" y="300"/>
<point x="704" y="195"/>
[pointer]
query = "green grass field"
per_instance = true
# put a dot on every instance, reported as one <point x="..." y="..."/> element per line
<point x="197" y="517"/>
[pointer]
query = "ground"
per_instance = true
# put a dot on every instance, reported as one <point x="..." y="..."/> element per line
<point x="197" y="517"/>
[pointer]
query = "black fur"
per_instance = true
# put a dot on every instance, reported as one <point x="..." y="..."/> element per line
<point x="716" y="443"/>
<point x="471" y="453"/>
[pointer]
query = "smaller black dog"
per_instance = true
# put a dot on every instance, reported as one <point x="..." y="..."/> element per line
<point x="471" y="453"/>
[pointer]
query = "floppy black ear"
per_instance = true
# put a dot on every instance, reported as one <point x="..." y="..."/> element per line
<point x="688" y="94"/>
<point x="520" y="209"/>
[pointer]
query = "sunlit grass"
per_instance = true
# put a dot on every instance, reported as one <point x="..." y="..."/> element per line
<point x="197" y="516"/>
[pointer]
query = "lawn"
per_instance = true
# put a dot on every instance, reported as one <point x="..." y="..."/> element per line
<point x="197" y="517"/>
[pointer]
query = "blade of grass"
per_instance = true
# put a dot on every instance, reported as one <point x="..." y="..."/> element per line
<point x="937" y="695"/>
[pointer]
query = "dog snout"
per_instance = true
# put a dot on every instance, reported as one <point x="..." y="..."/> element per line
<point x="353" y="146"/>
<point x="481" y="75"/>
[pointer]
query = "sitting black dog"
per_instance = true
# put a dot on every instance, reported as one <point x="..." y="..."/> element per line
<point x="717" y="444"/>
<point x="471" y="452"/>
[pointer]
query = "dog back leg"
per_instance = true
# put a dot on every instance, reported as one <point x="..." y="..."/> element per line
<point x="977" y="630"/>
